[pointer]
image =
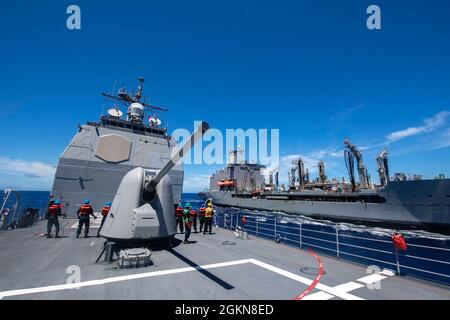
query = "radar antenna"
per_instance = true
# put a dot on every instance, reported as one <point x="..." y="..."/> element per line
<point x="124" y="97"/>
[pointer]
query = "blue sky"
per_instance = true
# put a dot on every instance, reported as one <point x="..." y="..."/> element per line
<point x="310" y="68"/>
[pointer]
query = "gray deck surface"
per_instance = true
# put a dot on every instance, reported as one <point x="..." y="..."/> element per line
<point x="28" y="261"/>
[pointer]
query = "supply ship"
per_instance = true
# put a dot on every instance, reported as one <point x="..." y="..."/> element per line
<point x="401" y="200"/>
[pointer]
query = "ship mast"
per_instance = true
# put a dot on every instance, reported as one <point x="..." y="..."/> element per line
<point x="135" y="107"/>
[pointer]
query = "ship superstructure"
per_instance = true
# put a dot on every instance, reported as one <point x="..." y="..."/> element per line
<point x="101" y="153"/>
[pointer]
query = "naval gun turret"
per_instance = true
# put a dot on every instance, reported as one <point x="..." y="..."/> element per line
<point x="143" y="207"/>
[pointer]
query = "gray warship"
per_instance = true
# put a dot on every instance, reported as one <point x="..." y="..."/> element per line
<point x="114" y="157"/>
<point x="401" y="200"/>
<point x="101" y="153"/>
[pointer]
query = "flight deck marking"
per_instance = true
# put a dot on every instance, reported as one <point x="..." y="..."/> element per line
<point x="320" y="295"/>
<point x="92" y="224"/>
<point x="349" y="286"/>
<point x="118" y="279"/>
<point x="327" y="289"/>
<point x="371" y="278"/>
<point x="316" y="279"/>
<point x="296" y="277"/>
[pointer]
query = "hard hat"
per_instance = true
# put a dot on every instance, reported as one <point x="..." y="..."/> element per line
<point x="209" y="204"/>
<point x="108" y="204"/>
<point x="188" y="204"/>
<point x="57" y="202"/>
<point x="86" y="201"/>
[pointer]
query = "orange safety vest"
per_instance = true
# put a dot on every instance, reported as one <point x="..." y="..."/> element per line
<point x="85" y="209"/>
<point x="202" y="212"/>
<point x="193" y="213"/>
<point x="179" y="212"/>
<point x="105" y="211"/>
<point x="54" y="210"/>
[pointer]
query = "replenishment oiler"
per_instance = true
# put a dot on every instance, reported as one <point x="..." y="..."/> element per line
<point x="401" y="200"/>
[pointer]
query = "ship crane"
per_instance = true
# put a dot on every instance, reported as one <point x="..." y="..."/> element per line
<point x="322" y="176"/>
<point x="276" y="180"/>
<point x="302" y="177"/>
<point x="292" y="178"/>
<point x="352" y="153"/>
<point x="383" y="168"/>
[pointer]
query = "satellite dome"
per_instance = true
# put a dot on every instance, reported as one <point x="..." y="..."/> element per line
<point x="136" y="112"/>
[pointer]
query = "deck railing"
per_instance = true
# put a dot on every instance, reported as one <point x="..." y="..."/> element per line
<point x="423" y="261"/>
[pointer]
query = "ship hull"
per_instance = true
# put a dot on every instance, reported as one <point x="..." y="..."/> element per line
<point x="408" y="203"/>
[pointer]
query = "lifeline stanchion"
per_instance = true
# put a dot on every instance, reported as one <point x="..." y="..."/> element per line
<point x="337" y="242"/>
<point x="300" y="234"/>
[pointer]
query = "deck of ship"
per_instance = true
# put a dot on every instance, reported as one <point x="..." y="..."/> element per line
<point x="217" y="266"/>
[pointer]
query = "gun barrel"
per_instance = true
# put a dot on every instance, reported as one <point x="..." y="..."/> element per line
<point x="194" y="138"/>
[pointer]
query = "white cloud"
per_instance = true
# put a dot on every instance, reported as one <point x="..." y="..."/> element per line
<point x="443" y="141"/>
<point x="429" y="125"/>
<point x="28" y="169"/>
<point x="343" y="115"/>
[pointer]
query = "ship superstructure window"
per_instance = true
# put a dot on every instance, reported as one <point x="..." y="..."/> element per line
<point x="137" y="128"/>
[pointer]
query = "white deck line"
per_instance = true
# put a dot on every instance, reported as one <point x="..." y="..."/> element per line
<point x="117" y="279"/>
<point x="372" y="278"/>
<point x="266" y="266"/>
<point x="293" y="276"/>
<point x="318" y="296"/>
<point x="347" y="287"/>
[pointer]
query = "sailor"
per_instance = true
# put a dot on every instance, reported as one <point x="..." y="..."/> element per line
<point x="50" y="202"/>
<point x="83" y="214"/>
<point x="202" y="218"/>
<point x="208" y="218"/>
<point x="193" y="213"/>
<point x="179" y="218"/>
<point x="4" y="219"/>
<point x="105" y="211"/>
<point x="187" y="222"/>
<point x="243" y="221"/>
<point x="53" y="212"/>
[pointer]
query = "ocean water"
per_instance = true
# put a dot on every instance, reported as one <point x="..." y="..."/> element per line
<point x="18" y="204"/>
<point x="427" y="255"/>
